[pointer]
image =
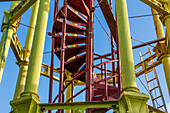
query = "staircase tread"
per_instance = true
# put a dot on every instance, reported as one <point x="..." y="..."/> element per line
<point x="70" y="28"/>
<point x="71" y="51"/>
<point x="99" y="98"/>
<point x="102" y="86"/>
<point x="70" y="40"/>
<point x="80" y="6"/>
<point x="72" y="16"/>
<point x="74" y="65"/>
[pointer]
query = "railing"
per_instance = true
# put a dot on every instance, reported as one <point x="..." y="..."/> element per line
<point x="102" y="66"/>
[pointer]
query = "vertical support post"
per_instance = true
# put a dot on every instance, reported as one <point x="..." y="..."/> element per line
<point x="70" y="88"/>
<point x="113" y="52"/>
<point x="51" y="72"/>
<point x="62" y="56"/>
<point x="26" y="52"/>
<point x="34" y="67"/>
<point x="165" y="58"/>
<point x="106" y="87"/>
<point x="118" y="63"/>
<point x="131" y="100"/>
<point x="8" y="30"/>
<point x="127" y="63"/>
<point x="90" y="54"/>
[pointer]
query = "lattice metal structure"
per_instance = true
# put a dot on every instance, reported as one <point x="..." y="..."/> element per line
<point x="109" y="80"/>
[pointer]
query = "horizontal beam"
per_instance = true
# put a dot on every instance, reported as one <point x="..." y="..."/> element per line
<point x="78" y="105"/>
<point x="46" y="72"/>
<point x="134" y="47"/>
<point x="147" y="43"/>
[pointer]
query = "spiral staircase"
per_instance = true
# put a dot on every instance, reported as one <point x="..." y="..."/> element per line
<point x="76" y="17"/>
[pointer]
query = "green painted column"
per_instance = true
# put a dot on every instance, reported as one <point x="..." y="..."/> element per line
<point x="34" y="67"/>
<point x="127" y="63"/>
<point x="130" y="100"/>
<point x="165" y="57"/>
<point x="26" y="52"/>
<point x="8" y="30"/>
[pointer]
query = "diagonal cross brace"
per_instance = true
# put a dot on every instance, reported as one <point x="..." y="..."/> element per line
<point x="156" y="5"/>
<point x="21" y="8"/>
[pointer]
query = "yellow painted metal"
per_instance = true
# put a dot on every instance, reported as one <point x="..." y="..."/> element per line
<point x="8" y="31"/>
<point x="34" y="67"/>
<point x="127" y="63"/>
<point x="16" y="47"/>
<point x="157" y="5"/>
<point x="144" y="66"/>
<point x="22" y="7"/>
<point x="26" y="52"/>
<point x="166" y="65"/>
<point x="165" y="57"/>
<point x="46" y="72"/>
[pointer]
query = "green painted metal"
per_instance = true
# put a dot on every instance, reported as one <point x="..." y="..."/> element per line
<point x="26" y="52"/>
<point x="166" y="65"/>
<point x="28" y="102"/>
<point x="133" y="102"/>
<point x="127" y="63"/>
<point x="34" y="67"/>
<point x="8" y="30"/>
<point x="21" y="8"/>
<point x="80" y="105"/>
<point x="157" y="5"/>
<point x="165" y="55"/>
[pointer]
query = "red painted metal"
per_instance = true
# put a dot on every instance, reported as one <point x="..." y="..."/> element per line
<point x="106" y="86"/>
<point x="62" y="57"/>
<point x="82" y="66"/>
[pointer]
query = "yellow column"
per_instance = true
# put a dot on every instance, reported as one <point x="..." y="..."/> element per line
<point x="26" y="52"/>
<point x="8" y="31"/>
<point x="165" y="57"/>
<point x="34" y="67"/>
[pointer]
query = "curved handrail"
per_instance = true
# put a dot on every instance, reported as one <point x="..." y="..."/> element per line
<point x="69" y="84"/>
<point x="95" y="66"/>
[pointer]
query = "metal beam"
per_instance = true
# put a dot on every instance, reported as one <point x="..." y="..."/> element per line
<point x="21" y="8"/>
<point x="16" y="47"/>
<point x="46" y="72"/>
<point x="107" y="12"/>
<point x="157" y="6"/>
<point x="145" y="65"/>
<point x="153" y="109"/>
<point x="78" y="105"/>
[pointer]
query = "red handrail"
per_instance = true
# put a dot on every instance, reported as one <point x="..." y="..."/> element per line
<point x="69" y="83"/>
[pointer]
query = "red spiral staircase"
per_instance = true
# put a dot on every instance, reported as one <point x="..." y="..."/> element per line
<point x="103" y="86"/>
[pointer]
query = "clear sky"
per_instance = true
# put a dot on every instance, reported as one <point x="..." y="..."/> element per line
<point x="141" y="29"/>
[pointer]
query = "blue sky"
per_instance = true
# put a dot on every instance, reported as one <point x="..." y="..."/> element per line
<point x="141" y="29"/>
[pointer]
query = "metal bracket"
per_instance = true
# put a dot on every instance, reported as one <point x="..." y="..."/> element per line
<point x="145" y="65"/>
